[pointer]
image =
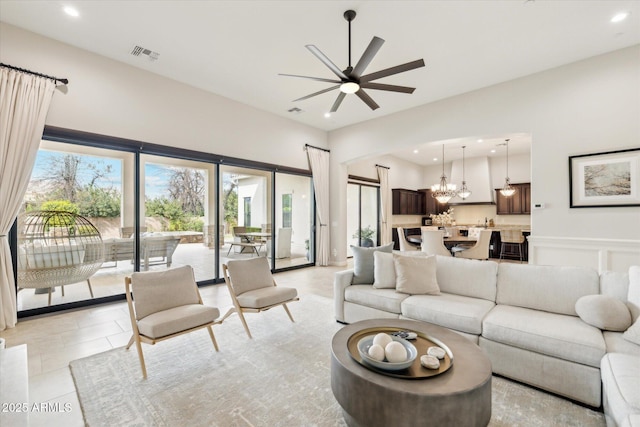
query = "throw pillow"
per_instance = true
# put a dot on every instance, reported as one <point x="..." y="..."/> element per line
<point x="416" y="275"/>
<point x="363" y="263"/>
<point x="633" y="333"/>
<point x="384" y="271"/>
<point x="604" y="312"/>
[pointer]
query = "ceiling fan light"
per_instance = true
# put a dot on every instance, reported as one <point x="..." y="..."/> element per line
<point x="349" y="87"/>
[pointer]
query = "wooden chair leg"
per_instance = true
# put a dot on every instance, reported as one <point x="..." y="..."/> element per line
<point x="244" y="323"/>
<point x="50" y="295"/>
<point x="288" y="312"/>
<point x="213" y="338"/>
<point x="140" y="356"/>
<point x="130" y="342"/>
<point x="62" y="288"/>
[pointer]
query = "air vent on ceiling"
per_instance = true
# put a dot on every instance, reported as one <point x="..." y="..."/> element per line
<point x="141" y="51"/>
<point x="295" y="110"/>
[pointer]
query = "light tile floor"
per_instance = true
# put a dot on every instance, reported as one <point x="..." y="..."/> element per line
<point x="55" y="340"/>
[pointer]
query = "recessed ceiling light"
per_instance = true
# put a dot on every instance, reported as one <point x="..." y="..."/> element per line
<point x="479" y="140"/>
<point x="618" y="17"/>
<point x="71" y="11"/>
<point x="435" y="159"/>
<point x="327" y="115"/>
<point x="415" y="151"/>
<point x="493" y="151"/>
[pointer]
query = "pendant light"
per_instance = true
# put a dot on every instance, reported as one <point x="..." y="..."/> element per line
<point x="464" y="192"/>
<point x="507" y="190"/>
<point x="443" y="192"/>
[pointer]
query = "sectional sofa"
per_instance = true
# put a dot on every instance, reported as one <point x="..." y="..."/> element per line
<point x="558" y="328"/>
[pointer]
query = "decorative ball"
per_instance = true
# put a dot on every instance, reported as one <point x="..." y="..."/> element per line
<point x="436" y="352"/>
<point x="382" y="339"/>
<point x="429" y="362"/>
<point x="376" y="352"/>
<point x="395" y="352"/>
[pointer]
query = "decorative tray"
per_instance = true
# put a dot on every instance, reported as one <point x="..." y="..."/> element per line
<point x="416" y="370"/>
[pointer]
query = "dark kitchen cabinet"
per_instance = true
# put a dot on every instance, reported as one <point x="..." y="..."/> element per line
<point x="518" y="204"/>
<point x="407" y="202"/>
<point x="431" y="205"/>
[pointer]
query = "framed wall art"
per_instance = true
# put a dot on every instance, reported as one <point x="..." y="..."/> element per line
<point x="609" y="179"/>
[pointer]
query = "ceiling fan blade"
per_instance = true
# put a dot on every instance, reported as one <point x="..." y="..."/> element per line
<point x="393" y="70"/>
<point x="375" y="45"/>
<point x="391" y="88"/>
<point x="317" y="93"/>
<point x="336" y="104"/>
<point x="320" y="79"/>
<point x="367" y="99"/>
<point x="326" y="61"/>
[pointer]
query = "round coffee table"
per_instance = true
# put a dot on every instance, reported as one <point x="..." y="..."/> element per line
<point x="461" y="396"/>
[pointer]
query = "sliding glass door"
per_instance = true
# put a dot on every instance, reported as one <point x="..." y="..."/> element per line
<point x="363" y="215"/>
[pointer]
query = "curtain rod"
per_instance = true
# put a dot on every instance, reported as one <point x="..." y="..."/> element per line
<point x="380" y="166"/>
<point x="55" y="79"/>
<point x="317" y="148"/>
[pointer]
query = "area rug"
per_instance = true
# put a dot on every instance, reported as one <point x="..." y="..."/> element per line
<point x="281" y="377"/>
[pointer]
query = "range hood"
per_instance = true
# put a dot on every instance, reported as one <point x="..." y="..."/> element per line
<point x="478" y="178"/>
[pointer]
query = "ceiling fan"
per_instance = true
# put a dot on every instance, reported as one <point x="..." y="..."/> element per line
<point x="351" y="79"/>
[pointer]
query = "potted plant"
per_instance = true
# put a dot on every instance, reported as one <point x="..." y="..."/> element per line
<point x="365" y="235"/>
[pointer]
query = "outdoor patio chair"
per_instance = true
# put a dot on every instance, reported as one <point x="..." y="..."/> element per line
<point x="166" y="304"/>
<point x="253" y="289"/>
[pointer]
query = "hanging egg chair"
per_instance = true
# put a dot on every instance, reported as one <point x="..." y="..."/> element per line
<point x="57" y="248"/>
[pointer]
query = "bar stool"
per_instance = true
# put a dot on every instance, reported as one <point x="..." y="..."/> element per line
<point x="511" y="238"/>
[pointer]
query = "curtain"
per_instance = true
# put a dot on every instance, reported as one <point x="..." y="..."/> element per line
<point x="385" y="205"/>
<point x="319" y="161"/>
<point x="24" y="102"/>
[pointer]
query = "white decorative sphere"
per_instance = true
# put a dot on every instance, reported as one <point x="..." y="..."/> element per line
<point x="376" y="352"/>
<point x="395" y="352"/>
<point x="382" y="339"/>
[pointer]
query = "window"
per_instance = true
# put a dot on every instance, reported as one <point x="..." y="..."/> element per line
<point x="286" y="210"/>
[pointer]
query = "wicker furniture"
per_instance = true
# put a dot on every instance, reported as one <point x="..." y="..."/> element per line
<point x="57" y="248"/>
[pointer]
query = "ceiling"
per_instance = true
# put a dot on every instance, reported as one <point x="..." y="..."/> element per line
<point x="237" y="48"/>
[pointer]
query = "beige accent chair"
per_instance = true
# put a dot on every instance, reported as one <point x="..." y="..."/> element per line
<point x="405" y="246"/>
<point x="480" y="250"/>
<point x="253" y="289"/>
<point x="166" y="304"/>
<point x="432" y="242"/>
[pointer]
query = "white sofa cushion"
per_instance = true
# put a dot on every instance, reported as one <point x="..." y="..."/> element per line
<point x="467" y="277"/>
<point x="604" y="312"/>
<point x="452" y="311"/>
<point x="555" y="289"/>
<point x="384" y="271"/>
<point x="416" y="275"/>
<point x="633" y="333"/>
<point x="382" y="299"/>
<point x="557" y="335"/>
<point x="616" y="343"/>
<point x="633" y="297"/>
<point x="620" y="379"/>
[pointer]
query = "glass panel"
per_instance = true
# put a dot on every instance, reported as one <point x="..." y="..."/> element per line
<point x="245" y="199"/>
<point x="295" y="212"/>
<point x="368" y="215"/>
<point x="178" y="214"/>
<point x="363" y="207"/>
<point x="74" y="257"/>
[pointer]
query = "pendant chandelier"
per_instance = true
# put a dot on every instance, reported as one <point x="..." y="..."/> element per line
<point x="443" y="192"/>
<point x="507" y="190"/>
<point x="464" y="192"/>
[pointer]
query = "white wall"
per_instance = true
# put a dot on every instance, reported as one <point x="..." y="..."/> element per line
<point x="115" y="99"/>
<point x="585" y="107"/>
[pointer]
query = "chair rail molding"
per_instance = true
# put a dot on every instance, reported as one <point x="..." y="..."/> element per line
<point x="599" y="254"/>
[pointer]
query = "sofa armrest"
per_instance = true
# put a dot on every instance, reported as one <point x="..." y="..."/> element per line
<point x="341" y="280"/>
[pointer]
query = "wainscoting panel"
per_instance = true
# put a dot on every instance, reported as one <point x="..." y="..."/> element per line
<point x="599" y="254"/>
